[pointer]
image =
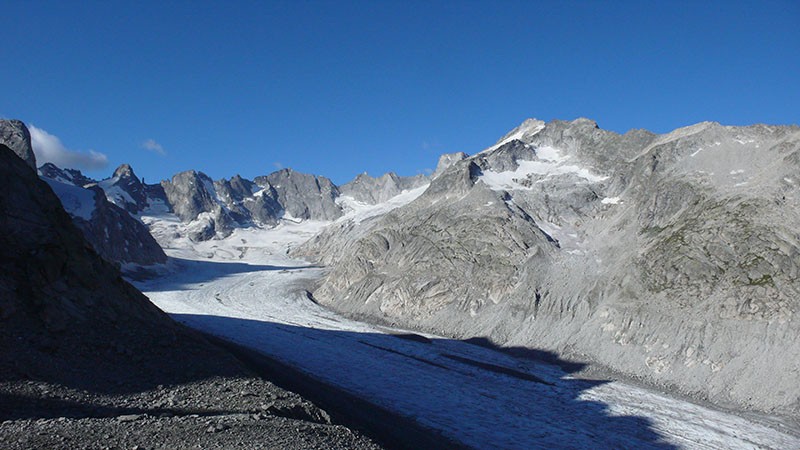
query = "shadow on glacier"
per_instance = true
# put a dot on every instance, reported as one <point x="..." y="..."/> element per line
<point x="191" y="272"/>
<point x="514" y="398"/>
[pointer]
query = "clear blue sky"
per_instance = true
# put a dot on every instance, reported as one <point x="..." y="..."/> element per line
<point x="338" y="88"/>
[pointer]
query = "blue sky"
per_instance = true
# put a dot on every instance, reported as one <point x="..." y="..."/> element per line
<point x="338" y="88"/>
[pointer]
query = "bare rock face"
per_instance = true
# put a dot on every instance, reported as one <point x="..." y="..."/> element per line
<point x="447" y="160"/>
<point x="15" y="135"/>
<point x="248" y="202"/>
<point x="673" y="258"/>
<point x="367" y="189"/>
<point x="216" y="208"/>
<point x="303" y="196"/>
<point x="192" y="194"/>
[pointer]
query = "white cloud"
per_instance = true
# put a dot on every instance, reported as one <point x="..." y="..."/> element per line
<point x="277" y="165"/>
<point x="154" y="147"/>
<point x="48" y="148"/>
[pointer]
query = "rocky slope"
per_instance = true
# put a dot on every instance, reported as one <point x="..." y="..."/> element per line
<point x="88" y="361"/>
<point x="672" y="258"/>
<point x="370" y="190"/>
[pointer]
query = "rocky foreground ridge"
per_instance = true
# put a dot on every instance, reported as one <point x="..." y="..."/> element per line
<point x="671" y="258"/>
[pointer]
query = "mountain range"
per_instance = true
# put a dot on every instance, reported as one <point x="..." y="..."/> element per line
<point x="672" y="258"/>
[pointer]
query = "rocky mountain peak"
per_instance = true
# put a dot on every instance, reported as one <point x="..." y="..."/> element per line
<point x="125" y="190"/>
<point x="15" y="135"/>
<point x="447" y="160"/>
<point x="69" y="176"/>
<point x="125" y="171"/>
<point x="304" y="196"/>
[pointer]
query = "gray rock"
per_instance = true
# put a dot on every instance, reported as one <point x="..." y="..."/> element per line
<point x="447" y="160"/>
<point x="15" y="135"/>
<point x="248" y="202"/>
<point x="216" y="208"/>
<point x="367" y="189"/>
<point x="303" y="196"/>
<point x="672" y="258"/>
<point x="191" y="194"/>
<point x="129" y="417"/>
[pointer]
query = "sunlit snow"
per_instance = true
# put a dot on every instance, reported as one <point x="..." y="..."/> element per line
<point x="550" y="162"/>
<point x="359" y="211"/>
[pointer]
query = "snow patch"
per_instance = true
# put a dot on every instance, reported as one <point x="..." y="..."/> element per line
<point x="550" y="162"/>
<point x="114" y="193"/>
<point x="77" y="201"/>
<point x="611" y="201"/>
<point x="359" y="211"/>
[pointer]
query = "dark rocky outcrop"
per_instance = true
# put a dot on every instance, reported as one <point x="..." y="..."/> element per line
<point x="124" y="189"/>
<point x="51" y="277"/>
<point x="69" y="176"/>
<point x="119" y="237"/>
